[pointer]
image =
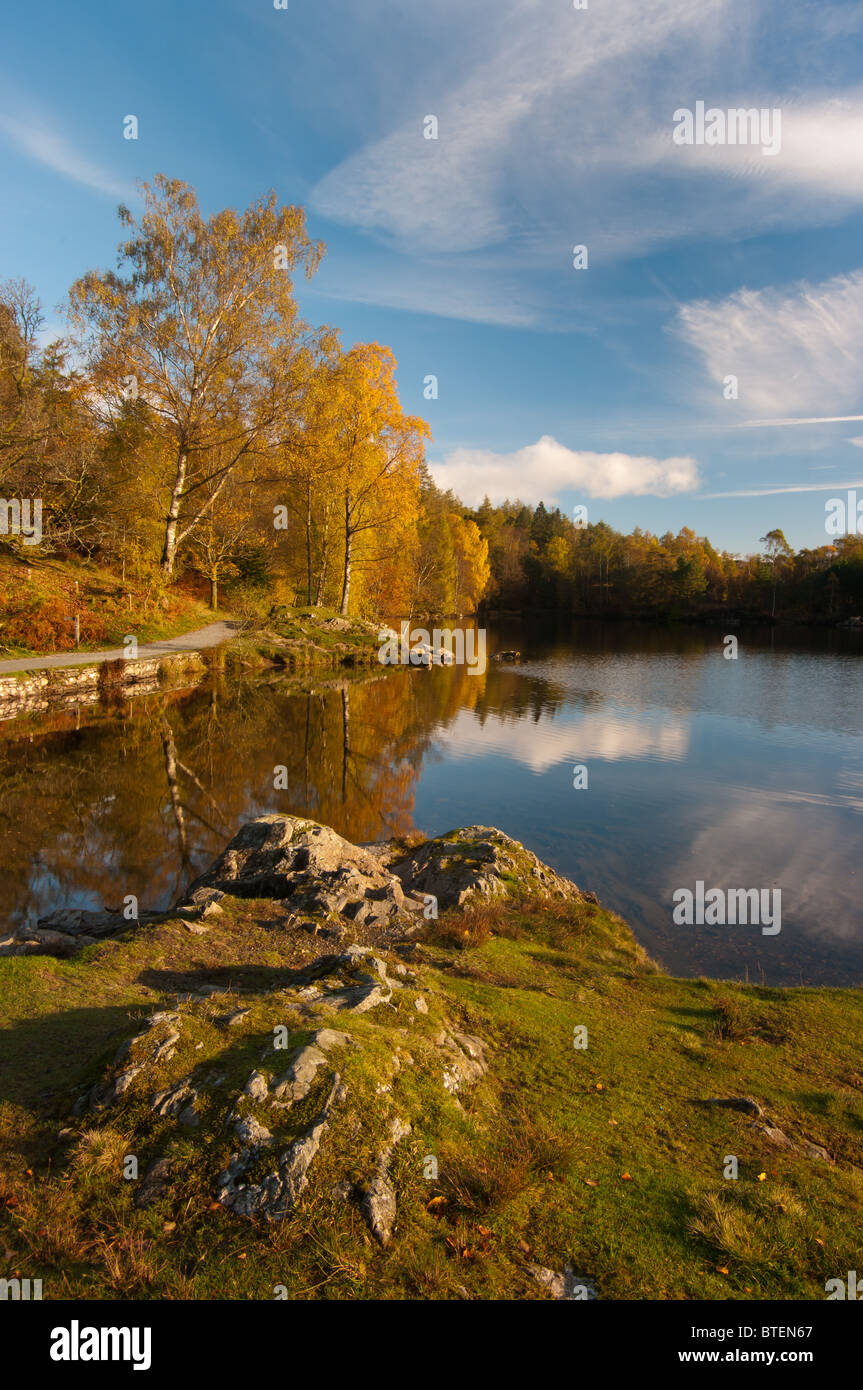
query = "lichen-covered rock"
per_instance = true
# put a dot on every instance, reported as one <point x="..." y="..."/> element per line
<point x="287" y="857"/>
<point x="105" y="1095"/>
<point x="379" y="1202"/>
<point x="464" y="1060"/>
<point x="277" y="1193"/>
<point x="174" y="1098"/>
<point x="564" y="1285"/>
<point x="479" y="863"/>
<point x="299" y="1077"/>
<point x="156" y="1181"/>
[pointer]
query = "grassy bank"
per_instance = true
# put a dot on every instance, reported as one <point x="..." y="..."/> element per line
<point x="601" y="1159"/>
<point x="40" y="600"/>
<point x="304" y="638"/>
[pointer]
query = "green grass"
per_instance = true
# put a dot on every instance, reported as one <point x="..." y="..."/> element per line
<point x="601" y="1158"/>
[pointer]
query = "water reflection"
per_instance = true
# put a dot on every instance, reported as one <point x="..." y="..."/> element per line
<point x="746" y="774"/>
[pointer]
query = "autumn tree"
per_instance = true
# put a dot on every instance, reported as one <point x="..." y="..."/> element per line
<point x="379" y="452"/>
<point x="307" y="462"/>
<point x="471" y="566"/>
<point x="778" y="550"/>
<point x="23" y="422"/>
<point x="199" y="322"/>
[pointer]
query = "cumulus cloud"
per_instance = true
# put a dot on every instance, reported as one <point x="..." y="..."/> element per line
<point x="545" y="470"/>
<point x="792" y="350"/>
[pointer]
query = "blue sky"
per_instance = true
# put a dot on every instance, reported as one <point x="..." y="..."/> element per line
<point x="601" y="386"/>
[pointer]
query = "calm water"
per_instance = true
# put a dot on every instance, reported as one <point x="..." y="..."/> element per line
<point x="745" y="773"/>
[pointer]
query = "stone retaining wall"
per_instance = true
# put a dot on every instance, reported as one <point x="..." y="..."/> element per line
<point x="32" y="691"/>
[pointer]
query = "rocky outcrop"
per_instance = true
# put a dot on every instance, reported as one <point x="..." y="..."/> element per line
<point x="276" y="1194"/>
<point x="475" y="864"/>
<point x="332" y="887"/>
<point x="261" y="1140"/>
<point x="379" y="885"/>
<point x="322" y="874"/>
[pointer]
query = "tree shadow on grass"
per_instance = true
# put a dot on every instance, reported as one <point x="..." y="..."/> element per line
<point x="43" y="1059"/>
<point x="238" y="979"/>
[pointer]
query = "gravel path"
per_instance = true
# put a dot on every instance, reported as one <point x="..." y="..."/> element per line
<point x="211" y="636"/>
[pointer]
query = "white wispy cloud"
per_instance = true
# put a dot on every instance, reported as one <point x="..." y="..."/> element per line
<point x="818" y="153"/>
<point x="52" y="150"/>
<point x="803" y="420"/>
<point x="794" y="349"/>
<point x="780" y="490"/>
<point x="595" y="91"/>
<point x="551" y="73"/>
<point x="429" y="288"/>
<point x="545" y="470"/>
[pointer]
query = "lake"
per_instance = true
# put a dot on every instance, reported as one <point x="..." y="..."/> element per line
<point x="743" y="773"/>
